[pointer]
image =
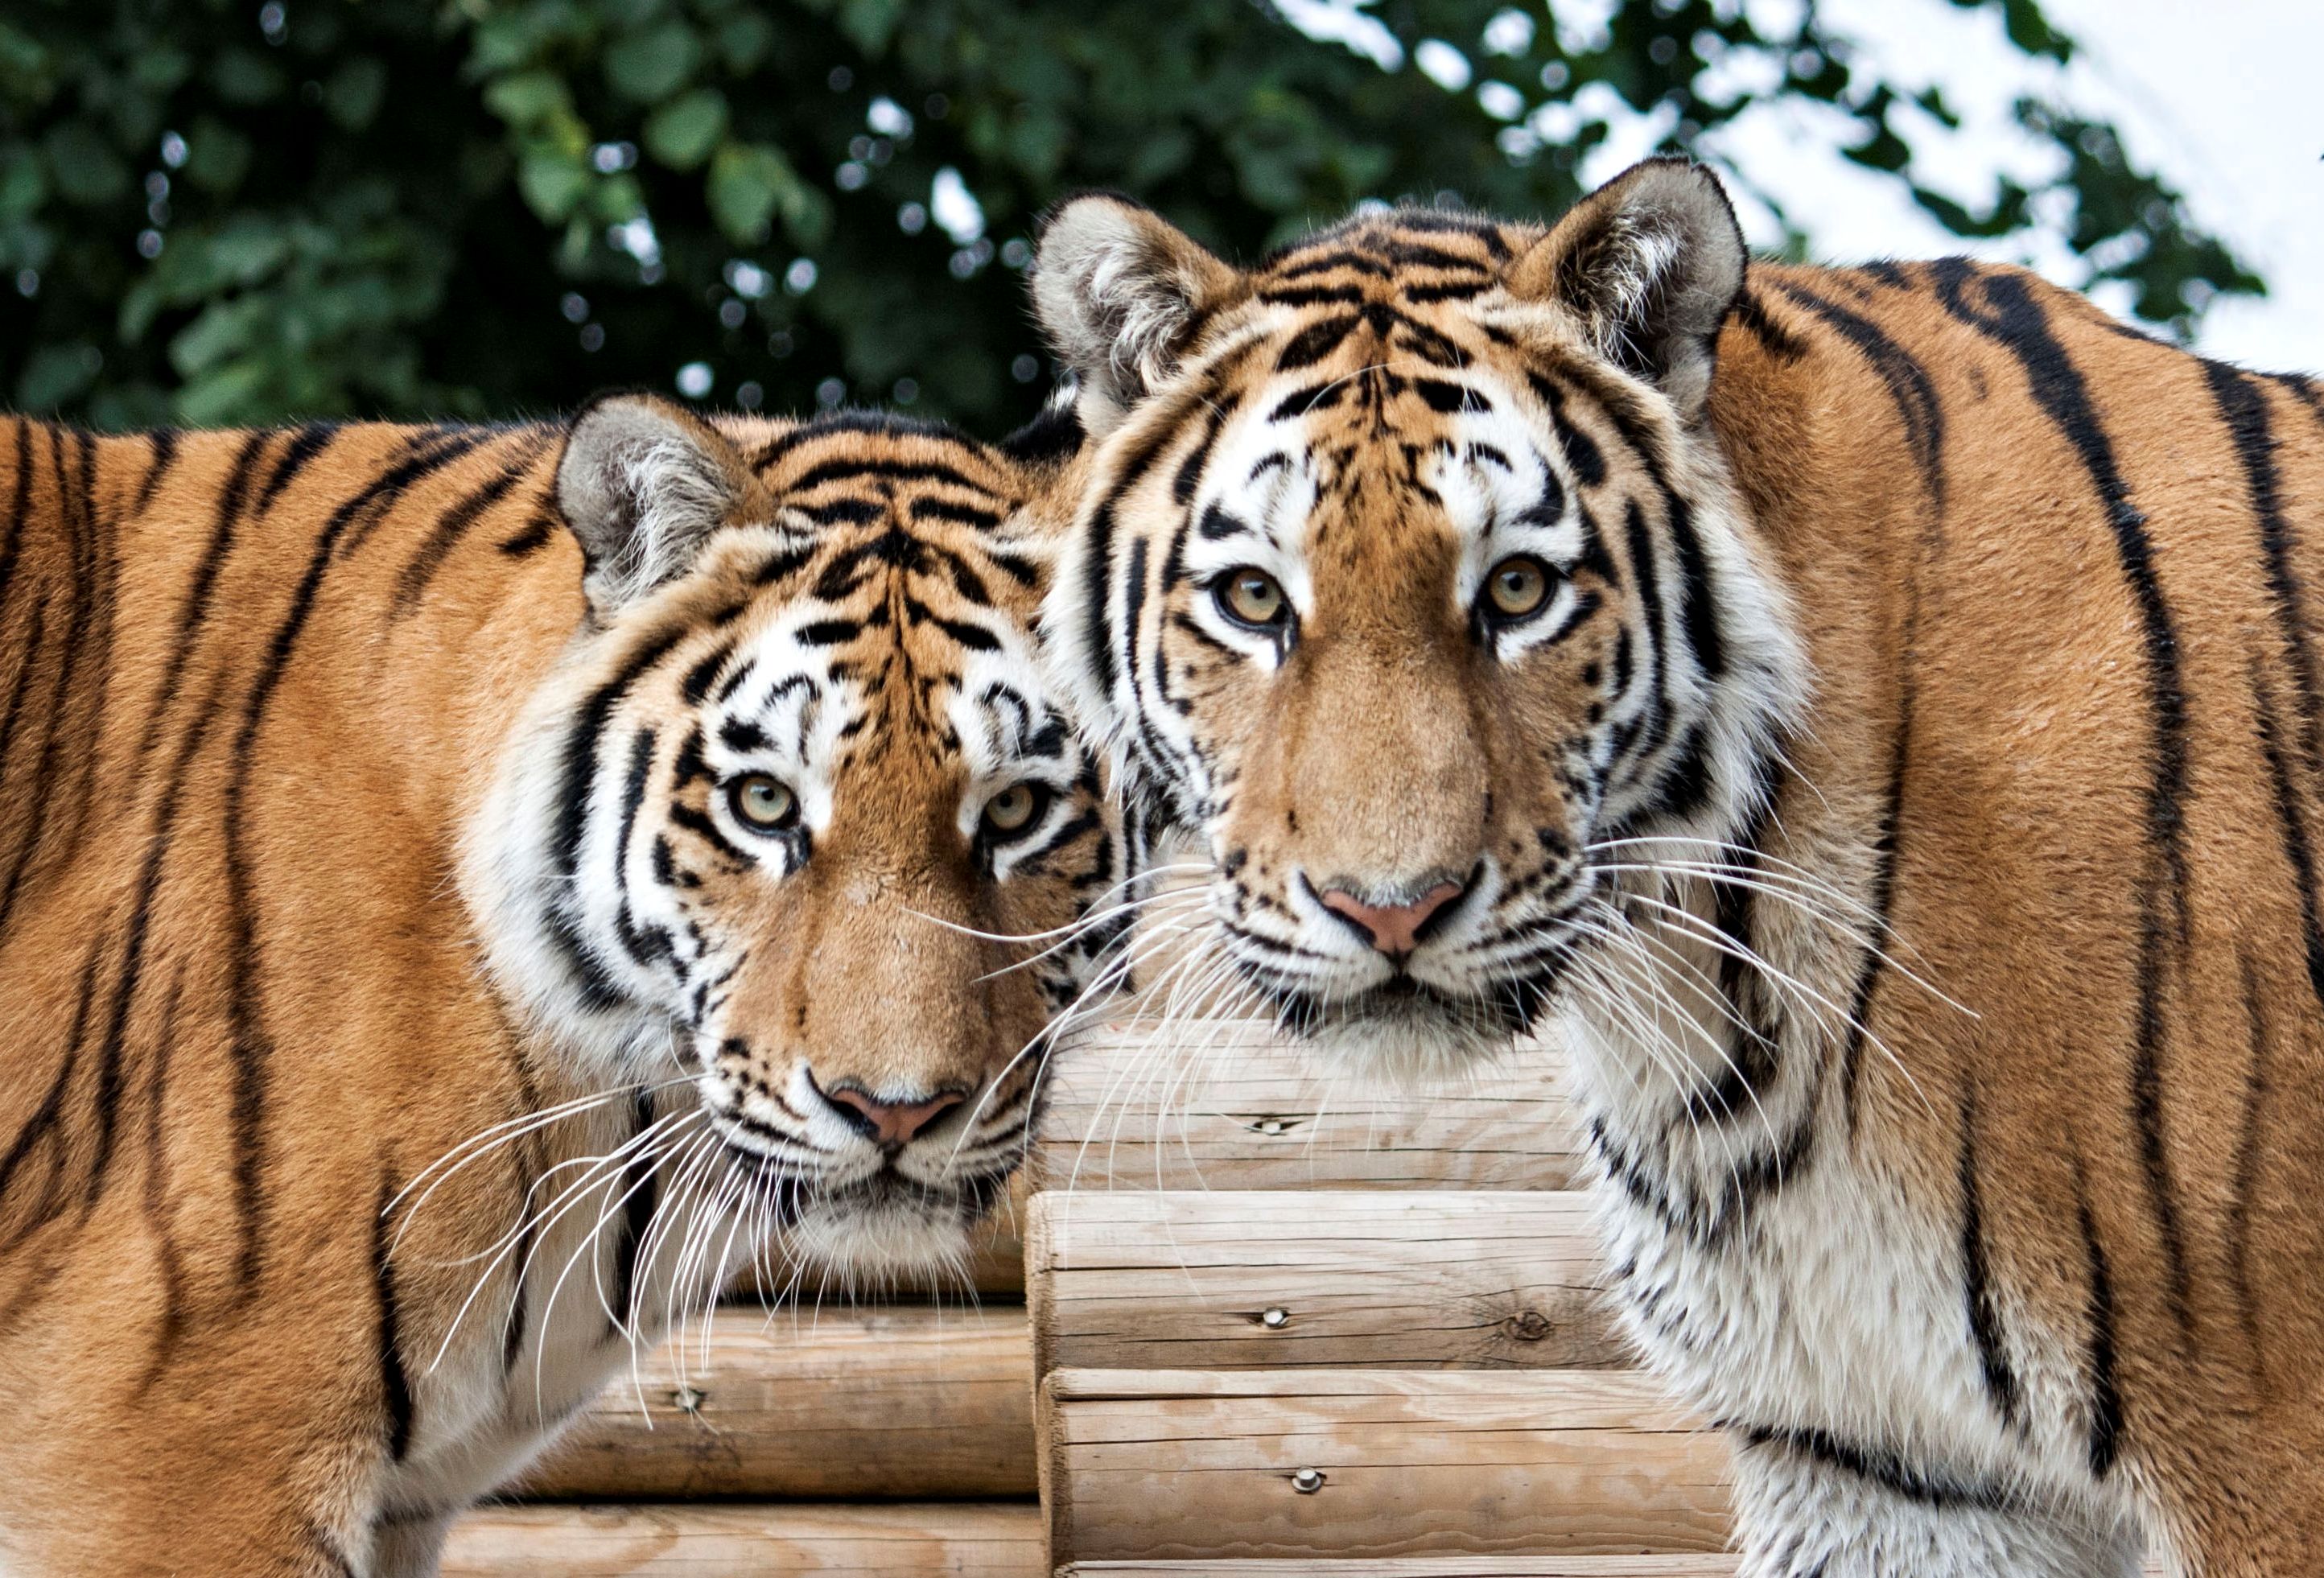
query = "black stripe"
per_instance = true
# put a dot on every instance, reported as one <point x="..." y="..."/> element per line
<point x="1448" y="399"/>
<point x="394" y="1382"/>
<point x="851" y="467"/>
<point x="2244" y="409"/>
<point x="1910" y="388"/>
<point x="165" y="457"/>
<point x="886" y="424"/>
<point x="1883" y="902"/>
<point x="2246" y="1178"/>
<point x="2106" y="1394"/>
<point x="1750" y="313"/>
<point x="20" y="510"/>
<point x="42" y="1124"/>
<point x="1581" y="451"/>
<point x="223" y="525"/>
<point x="534" y="537"/>
<point x="581" y="748"/>
<point x="2291" y="828"/>
<point x="1884" y="1469"/>
<point x="305" y="444"/>
<point x="452" y="525"/>
<point x="930" y="508"/>
<point x="695" y="686"/>
<point x="2015" y="321"/>
<point x="641" y="1185"/>
<point x="427" y="453"/>
<point x="1976" y="1277"/>
<point x="1312" y="344"/>
<point x="80" y="580"/>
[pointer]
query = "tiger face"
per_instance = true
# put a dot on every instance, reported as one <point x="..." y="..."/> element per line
<point x="1408" y="580"/>
<point x="796" y="784"/>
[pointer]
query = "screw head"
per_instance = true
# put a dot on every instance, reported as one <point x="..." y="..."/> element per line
<point x="1270" y="1125"/>
<point x="1307" y="1481"/>
<point x="686" y="1399"/>
<point x="1275" y="1319"/>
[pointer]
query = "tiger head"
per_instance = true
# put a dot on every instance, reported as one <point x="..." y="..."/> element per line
<point x="1409" y="578"/>
<point x="770" y="824"/>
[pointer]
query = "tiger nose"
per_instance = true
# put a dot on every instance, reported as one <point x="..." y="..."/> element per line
<point x="891" y="1123"/>
<point x="1392" y="928"/>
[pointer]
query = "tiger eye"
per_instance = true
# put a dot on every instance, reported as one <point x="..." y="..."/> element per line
<point x="1011" y="809"/>
<point x="763" y="802"/>
<point x="1252" y="596"/>
<point x="1517" y="587"/>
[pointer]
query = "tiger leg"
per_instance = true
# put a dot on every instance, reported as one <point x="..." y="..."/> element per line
<point x="409" y="1545"/>
<point x="1803" y="1517"/>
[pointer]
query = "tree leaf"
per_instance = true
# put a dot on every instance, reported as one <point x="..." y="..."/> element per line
<point x="682" y="132"/>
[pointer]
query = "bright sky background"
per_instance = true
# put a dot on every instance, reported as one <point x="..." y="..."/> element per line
<point x="2223" y="98"/>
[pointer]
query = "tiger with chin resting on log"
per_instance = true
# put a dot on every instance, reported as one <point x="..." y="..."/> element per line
<point x="1875" y="714"/>
<point x="464" y="889"/>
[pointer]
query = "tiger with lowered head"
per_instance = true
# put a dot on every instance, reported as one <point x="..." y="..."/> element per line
<point x="1875" y="714"/>
<point x="463" y="889"/>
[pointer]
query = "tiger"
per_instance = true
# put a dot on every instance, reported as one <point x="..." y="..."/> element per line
<point x="1872" y="714"/>
<point x="464" y="891"/>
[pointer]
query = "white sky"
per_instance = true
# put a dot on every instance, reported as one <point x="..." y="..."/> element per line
<point x="2223" y="99"/>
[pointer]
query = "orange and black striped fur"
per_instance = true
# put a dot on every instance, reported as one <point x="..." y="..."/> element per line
<point x="462" y="890"/>
<point x="1875" y="713"/>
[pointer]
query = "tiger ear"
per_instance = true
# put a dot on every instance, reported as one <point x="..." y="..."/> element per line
<point x="1649" y="264"/>
<point x="644" y="482"/>
<point x="1118" y="289"/>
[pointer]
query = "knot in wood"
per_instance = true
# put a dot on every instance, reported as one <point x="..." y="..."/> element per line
<point x="1530" y="1326"/>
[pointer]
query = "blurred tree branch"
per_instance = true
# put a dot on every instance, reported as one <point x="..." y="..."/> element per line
<point x="218" y="211"/>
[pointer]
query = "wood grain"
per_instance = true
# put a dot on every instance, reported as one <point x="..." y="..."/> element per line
<point x="909" y="1401"/>
<point x="1227" y="1105"/>
<point x="1204" y="1465"/>
<point x="1255" y="1279"/>
<point x="971" y="1541"/>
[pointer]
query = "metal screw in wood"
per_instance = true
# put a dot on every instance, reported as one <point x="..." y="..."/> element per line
<point x="1275" y="1319"/>
<point x="1307" y="1481"/>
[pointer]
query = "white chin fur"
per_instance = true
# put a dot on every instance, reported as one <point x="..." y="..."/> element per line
<point x="1410" y="1050"/>
<point x="884" y="1240"/>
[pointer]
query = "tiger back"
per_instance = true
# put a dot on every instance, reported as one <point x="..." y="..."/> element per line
<point x="1874" y="713"/>
<point x="463" y="891"/>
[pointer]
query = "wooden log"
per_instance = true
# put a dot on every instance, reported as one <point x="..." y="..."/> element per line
<point x="1191" y="1464"/>
<point x="1226" y="1104"/>
<point x="1245" y="1280"/>
<point x="913" y="1401"/>
<point x="1421" y="1567"/>
<point x="973" y="1541"/>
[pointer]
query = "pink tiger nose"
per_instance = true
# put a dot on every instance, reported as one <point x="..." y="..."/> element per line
<point x="1393" y="928"/>
<point x="891" y="1123"/>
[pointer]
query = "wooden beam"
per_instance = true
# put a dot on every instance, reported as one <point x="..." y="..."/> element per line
<point x="1242" y="1279"/>
<point x="1196" y="1465"/>
<point x="918" y="1401"/>
<point x="1227" y="1105"/>
<point x="989" y="1541"/>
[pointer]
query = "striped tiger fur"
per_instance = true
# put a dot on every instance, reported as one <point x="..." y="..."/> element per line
<point x="1875" y="714"/>
<point x="463" y="889"/>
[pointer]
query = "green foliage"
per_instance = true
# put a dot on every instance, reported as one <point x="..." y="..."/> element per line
<point x="218" y="210"/>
